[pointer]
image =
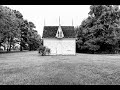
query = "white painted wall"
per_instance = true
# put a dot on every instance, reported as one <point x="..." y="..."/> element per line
<point x="63" y="46"/>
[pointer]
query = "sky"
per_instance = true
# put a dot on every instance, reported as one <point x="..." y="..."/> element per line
<point x="48" y="15"/>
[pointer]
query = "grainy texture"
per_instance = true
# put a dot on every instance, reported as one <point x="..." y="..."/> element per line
<point x="29" y="68"/>
<point x="50" y="31"/>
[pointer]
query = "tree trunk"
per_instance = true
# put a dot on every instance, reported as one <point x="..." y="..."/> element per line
<point x="10" y="47"/>
<point x="10" y="44"/>
<point x="21" y="47"/>
<point x="29" y="47"/>
<point x="4" y="48"/>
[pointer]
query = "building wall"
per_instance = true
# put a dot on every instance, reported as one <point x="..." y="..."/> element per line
<point x="61" y="46"/>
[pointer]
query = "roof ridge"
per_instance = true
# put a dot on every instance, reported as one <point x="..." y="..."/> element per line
<point x="50" y="31"/>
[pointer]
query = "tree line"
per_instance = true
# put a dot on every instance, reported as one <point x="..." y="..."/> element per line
<point x="100" y="31"/>
<point x="14" y="29"/>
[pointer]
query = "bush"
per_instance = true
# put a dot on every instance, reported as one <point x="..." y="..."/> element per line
<point x="43" y="51"/>
<point x="1" y="49"/>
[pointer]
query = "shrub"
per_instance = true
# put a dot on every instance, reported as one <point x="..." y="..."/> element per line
<point x="1" y="49"/>
<point x="43" y="51"/>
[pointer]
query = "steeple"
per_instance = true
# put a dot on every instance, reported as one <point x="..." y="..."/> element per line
<point x="59" y="33"/>
<point x="59" y="20"/>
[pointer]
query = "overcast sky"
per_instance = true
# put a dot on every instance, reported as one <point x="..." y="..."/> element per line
<point x="50" y="13"/>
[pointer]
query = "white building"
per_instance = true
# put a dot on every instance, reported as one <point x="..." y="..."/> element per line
<point x="60" y="39"/>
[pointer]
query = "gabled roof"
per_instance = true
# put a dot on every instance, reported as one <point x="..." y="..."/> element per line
<point x="59" y="33"/>
<point x="50" y="31"/>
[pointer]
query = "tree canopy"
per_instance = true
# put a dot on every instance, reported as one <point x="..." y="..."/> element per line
<point x="14" y="28"/>
<point x="100" y="32"/>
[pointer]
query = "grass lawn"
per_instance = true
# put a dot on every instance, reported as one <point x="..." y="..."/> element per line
<point x="29" y="68"/>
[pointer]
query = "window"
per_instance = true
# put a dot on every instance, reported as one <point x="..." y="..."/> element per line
<point x="60" y="34"/>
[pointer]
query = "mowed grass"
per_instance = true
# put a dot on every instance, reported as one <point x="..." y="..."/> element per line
<point x="29" y="68"/>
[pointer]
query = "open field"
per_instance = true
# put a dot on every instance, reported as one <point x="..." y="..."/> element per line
<point x="29" y="68"/>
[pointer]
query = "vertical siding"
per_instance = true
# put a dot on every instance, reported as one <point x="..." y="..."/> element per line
<point x="51" y="43"/>
<point x="67" y="46"/>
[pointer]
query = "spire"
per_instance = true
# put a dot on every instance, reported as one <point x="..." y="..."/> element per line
<point x="59" y="33"/>
<point x="59" y="28"/>
<point x="72" y="22"/>
<point x="59" y="20"/>
<point x="44" y="21"/>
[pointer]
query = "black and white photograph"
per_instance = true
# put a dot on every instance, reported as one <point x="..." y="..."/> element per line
<point x="59" y="44"/>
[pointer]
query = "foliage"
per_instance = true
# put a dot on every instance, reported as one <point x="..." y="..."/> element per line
<point x="43" y="50"/>
<point x="33" y="38"/>
<point x="100" y="32"/>
<point x="8" y="26"/>
<point x="15" y="29"/>
<point x="29" y="36"/>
